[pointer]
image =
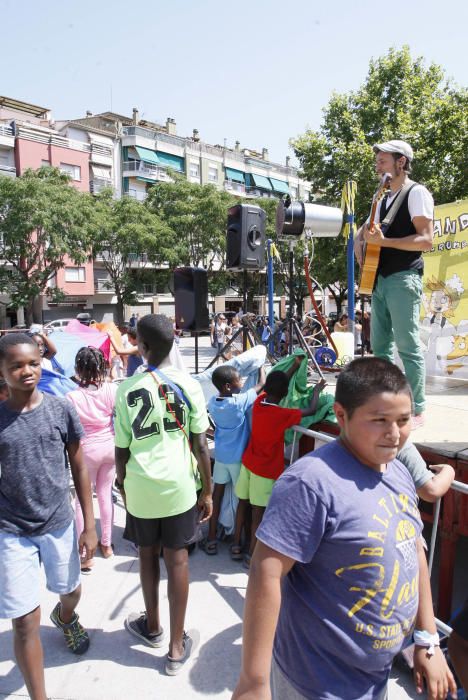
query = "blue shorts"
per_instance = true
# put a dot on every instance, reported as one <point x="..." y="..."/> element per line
<point x="225" y="473"/>
<point x="21" y="557"/>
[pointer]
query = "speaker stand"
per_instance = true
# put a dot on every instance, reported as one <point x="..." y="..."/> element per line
<point x="249" y="336"/>
<point x="196" y="352"/>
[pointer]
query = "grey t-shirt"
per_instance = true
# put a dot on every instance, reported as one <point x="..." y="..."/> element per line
<point x="349" y="602"/>
<point x="410" y="457"/>
<point x="34" y="477"/>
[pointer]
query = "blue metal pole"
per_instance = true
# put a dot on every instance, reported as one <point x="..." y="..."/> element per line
<point x="271" y="312"/>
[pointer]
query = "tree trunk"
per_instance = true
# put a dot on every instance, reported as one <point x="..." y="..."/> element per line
<point x="120" y="309"/>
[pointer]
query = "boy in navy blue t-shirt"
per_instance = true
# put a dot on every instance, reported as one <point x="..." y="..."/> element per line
<point x="232" y="431"/>
<point x="339" y="578"/>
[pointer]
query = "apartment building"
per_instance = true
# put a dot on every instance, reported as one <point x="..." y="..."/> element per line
<point x="127" y="154"/>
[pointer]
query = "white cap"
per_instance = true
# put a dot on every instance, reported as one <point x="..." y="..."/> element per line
<point x="395" y="146"/>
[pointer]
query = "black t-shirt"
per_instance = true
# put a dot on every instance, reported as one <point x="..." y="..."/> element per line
<point x="34" y="476"/>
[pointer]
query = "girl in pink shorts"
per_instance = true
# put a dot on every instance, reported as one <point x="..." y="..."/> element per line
<point x="94" y="401"/>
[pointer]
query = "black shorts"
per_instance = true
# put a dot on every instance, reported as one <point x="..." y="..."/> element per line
<point x="460" y="623"/>
<point x="173" y="532"/>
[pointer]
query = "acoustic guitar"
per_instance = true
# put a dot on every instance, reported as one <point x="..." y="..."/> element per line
<point x="372" y="251"/>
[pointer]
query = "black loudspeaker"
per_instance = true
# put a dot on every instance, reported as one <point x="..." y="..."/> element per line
<point x="191" y="298"/>
<point x="245" y="238"/>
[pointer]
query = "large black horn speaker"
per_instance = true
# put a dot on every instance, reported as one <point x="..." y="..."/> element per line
<point x="191" y="298"/>
<point x="245" y="238"/>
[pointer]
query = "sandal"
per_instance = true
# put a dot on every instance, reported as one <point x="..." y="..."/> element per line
<point x="86" y="566"/>
<point x="209" y="546"/>
<point x="236" y="552"/>
<point x="107" y="551"/>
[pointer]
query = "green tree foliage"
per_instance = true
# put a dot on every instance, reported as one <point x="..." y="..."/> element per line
<point x="43" y="222"/>
<point x="197" y="216"/>
<point x="400" y="98"/>
<point x="130" y="240"/>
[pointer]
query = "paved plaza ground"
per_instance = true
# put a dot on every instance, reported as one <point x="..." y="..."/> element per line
<point x="116" y="666"/>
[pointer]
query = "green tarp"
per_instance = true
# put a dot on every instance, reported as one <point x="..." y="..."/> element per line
<point x="299" y="394"/>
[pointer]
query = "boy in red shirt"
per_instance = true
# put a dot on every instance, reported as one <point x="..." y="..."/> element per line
<point x="263" y="459"/>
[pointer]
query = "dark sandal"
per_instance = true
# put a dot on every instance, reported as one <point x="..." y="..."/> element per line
<point x="209" y="546"/>
<point x="236" y="552"/>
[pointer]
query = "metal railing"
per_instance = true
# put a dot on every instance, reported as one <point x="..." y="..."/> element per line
<point x="220" y="151"/>
<point x="147" y="169"/>
<point x="6" y="130"/>
<point x="53" y="139"/>
<point x="100" y="149"/>
<point x="98" y="184"/>
<point x="8" y="168"/>
<point x="455" y="486"/>
<point x="154" y="135"/>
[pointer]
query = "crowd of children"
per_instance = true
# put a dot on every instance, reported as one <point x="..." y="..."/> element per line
<point x="337" y="551"/>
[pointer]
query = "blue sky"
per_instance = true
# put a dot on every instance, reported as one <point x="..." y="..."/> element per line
<point x="258" y="72"/>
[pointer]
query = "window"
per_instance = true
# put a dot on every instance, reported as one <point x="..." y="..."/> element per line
<point x="194" y="170"/>
<point x="45" y="163"/>
<point x="73" y="170"/>
<point x="212" y="173"/>
<point x="75" y="274"/>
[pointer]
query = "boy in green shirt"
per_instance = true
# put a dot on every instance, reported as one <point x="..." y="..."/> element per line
<point x="158" y="412"/>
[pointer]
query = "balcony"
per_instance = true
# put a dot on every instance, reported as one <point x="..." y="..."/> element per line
<point x="101" y="154"/>
<point x="7" y="170"/>
<point x="7" y="137"/>
<point x="98" y="184"/>
<point x="235" y="187"/>
<point x="138" y="168"/>
<point x="152" y="135"/>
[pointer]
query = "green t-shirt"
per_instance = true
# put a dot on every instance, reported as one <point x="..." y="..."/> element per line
<point x="160" y="479"/>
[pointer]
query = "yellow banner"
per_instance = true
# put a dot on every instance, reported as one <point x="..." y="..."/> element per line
<point x="444" y="311"/>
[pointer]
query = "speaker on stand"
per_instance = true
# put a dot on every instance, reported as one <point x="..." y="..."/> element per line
<point x="191" y="302"/>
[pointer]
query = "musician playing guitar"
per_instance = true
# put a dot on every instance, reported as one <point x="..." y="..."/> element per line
<point x="396" y="296"/>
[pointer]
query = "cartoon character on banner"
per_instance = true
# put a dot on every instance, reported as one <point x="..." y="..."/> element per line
<point x="436" y="330"/>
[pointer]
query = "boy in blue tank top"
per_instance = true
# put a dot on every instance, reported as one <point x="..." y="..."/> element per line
<point x="339" y="579"/>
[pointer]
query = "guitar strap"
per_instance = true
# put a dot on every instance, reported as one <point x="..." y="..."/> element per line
<point x="395" y="205"/>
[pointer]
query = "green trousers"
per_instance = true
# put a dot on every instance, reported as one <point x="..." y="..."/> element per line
<point x="396" y="304"/>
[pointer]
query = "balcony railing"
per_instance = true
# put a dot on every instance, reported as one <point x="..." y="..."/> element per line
<point x="234" y="187"/>
<point x="54" y="139"/>
<point x="219" y="151"/>
<point x="7" y="168"/>
<point x="98" y="184"/>
<point x="100" y="149"/>
<point x="6" y="130"/>
<point x="139" y="167"/>
<point x="154" y="135"/>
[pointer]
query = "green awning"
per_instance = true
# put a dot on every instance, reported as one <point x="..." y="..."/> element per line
<point x="146" y="155"/>
<point x="146" y="179"/>
<point x="261" y="181"/>
<point x="279" y="186"/>
<point x="170" y="161"/>
<point x="235" y="175"/>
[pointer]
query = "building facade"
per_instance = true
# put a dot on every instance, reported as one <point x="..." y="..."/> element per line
<point x="127" y="154"/>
